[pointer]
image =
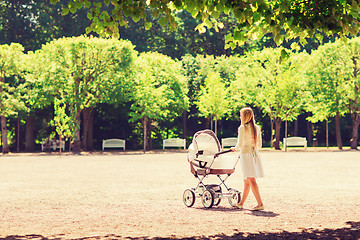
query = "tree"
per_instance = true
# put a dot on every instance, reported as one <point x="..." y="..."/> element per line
<point x="184" y="40"/>
<point x="33" y="23"/>
<point x="10" y="101"/>
<point x="339" y="90"/>
<point x="285" y="19"/>
<point x="213" y="102"/>
<point x="190" y="68"/>
<point x="228" y="67"/>
<point x="39" y="97"/>
<point x="196" y="70"/>
<point x="270" y="82"/>
<point x="65" y="127"/>
<point x="243" y="89"/>
<point x="86" y="71"/>
<point x="280" y="89"/>
<point x="353" y="94"/>
<point x="317" y="104"/>
<point x="160" y="92"/>
<point x="328" y="71"/>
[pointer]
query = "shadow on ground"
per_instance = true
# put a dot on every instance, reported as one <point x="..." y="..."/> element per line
<point x="249" y="212"/>
<point x="352" y="232"/>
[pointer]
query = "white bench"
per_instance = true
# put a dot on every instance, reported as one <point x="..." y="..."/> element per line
<point x="174" y="142"/>
<point x="228" y="142"/>
<point x="295" y="142"/>
<point x="113" y="143"/>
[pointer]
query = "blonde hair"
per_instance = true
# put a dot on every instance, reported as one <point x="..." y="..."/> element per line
<point x="248" y="117"/>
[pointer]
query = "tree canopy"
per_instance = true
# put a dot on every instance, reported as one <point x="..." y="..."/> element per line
<point x="160" y="91"/>
<point x="10" y="90"/>
<point x="84" y="72"/>
<point x="213" y="102"/>
<point x="286" y="19"/>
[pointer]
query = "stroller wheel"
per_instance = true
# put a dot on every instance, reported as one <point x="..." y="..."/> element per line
<point x="189" y="197"/>
<point x="208" y="198"/>
<point x="235" y="197"/>
<point x="217" y="201"/>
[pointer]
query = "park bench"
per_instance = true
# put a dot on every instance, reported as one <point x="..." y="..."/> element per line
<point x="174" y="142"/>
<point x="113" y="143"/>
<point x="295" y="142"/>
<point x="228" y="142"/>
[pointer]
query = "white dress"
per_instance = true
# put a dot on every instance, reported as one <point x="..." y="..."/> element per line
<point x="249" y="152"/>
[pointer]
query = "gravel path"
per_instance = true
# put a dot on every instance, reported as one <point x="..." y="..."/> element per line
<point x="134" y="195"/>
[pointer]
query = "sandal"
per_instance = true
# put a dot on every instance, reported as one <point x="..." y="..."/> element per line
<point x="258" y="208"/>
<point x="240" y="206"/>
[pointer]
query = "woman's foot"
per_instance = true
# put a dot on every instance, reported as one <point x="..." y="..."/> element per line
<point x="238" y="205"/>
<point x="258" y="208"/>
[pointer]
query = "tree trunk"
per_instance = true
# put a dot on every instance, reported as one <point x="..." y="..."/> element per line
<point x="277" y="133"/>
<point x="327" y="133"/>
<point x="30" y="135"/>
<point x="184" y="117"/>
<point x="309" y="131"/>
<point x="216" y="126"/>
<point x="60" y="142"/>
<point x="355" y="114"/>
<point x="76" y="145"/>
<point x="286" y="133"/>
<point x="87" y="115"/>
<point x="207" y="123"/>
<point x="5" y="148"/>
<point x="85" y="128"/>
<point x="149" y="134"/>
<point x="296" y="127"/>
<point x="90" y="142"/>
<point x="337" y="129"/>
<point x="18" y="135"/>
<point x="355" y="130"/>
<point x="144" y="120"/>
<point x="271" y="134"/>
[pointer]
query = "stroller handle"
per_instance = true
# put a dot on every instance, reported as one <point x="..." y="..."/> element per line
<point x="223" y="152"/>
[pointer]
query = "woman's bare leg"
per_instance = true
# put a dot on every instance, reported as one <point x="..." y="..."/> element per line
<point x="246" y="191"/>
<point x="255" y="190"/>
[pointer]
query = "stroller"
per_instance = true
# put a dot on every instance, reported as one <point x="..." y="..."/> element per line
<point x="206" y="159"/>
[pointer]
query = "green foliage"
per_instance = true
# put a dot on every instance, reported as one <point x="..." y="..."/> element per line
<point x="281" y="88"/>
<point x="213" y="101"/>
<point x="190" y="68"/>
<point x="333" y="85"/>
<point x="228" y="66"/>
<point x="65" y="126"/>
<point x="33" y="23"/>
<point x="353" y="83"/>
<point x="271" y="83"/>
<point x="82" y="72"/>
<point x="11" y="89"/>
<point x="197" y="69"/>
<point x="85" y="71"/>
<point x="243" y="89"/>
<point x="327" y="73"/>
<point x="184" y="40"/>
<point x="160" y="88"/>
<point x="285" y="19"/>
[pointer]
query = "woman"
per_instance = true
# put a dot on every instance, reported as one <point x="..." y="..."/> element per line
<point x="249" y="143"/>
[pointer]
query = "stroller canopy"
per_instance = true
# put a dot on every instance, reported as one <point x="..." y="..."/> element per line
<point x="204" y="143"/>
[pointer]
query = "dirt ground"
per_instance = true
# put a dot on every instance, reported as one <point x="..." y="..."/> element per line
<point x="117" y="195"/>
